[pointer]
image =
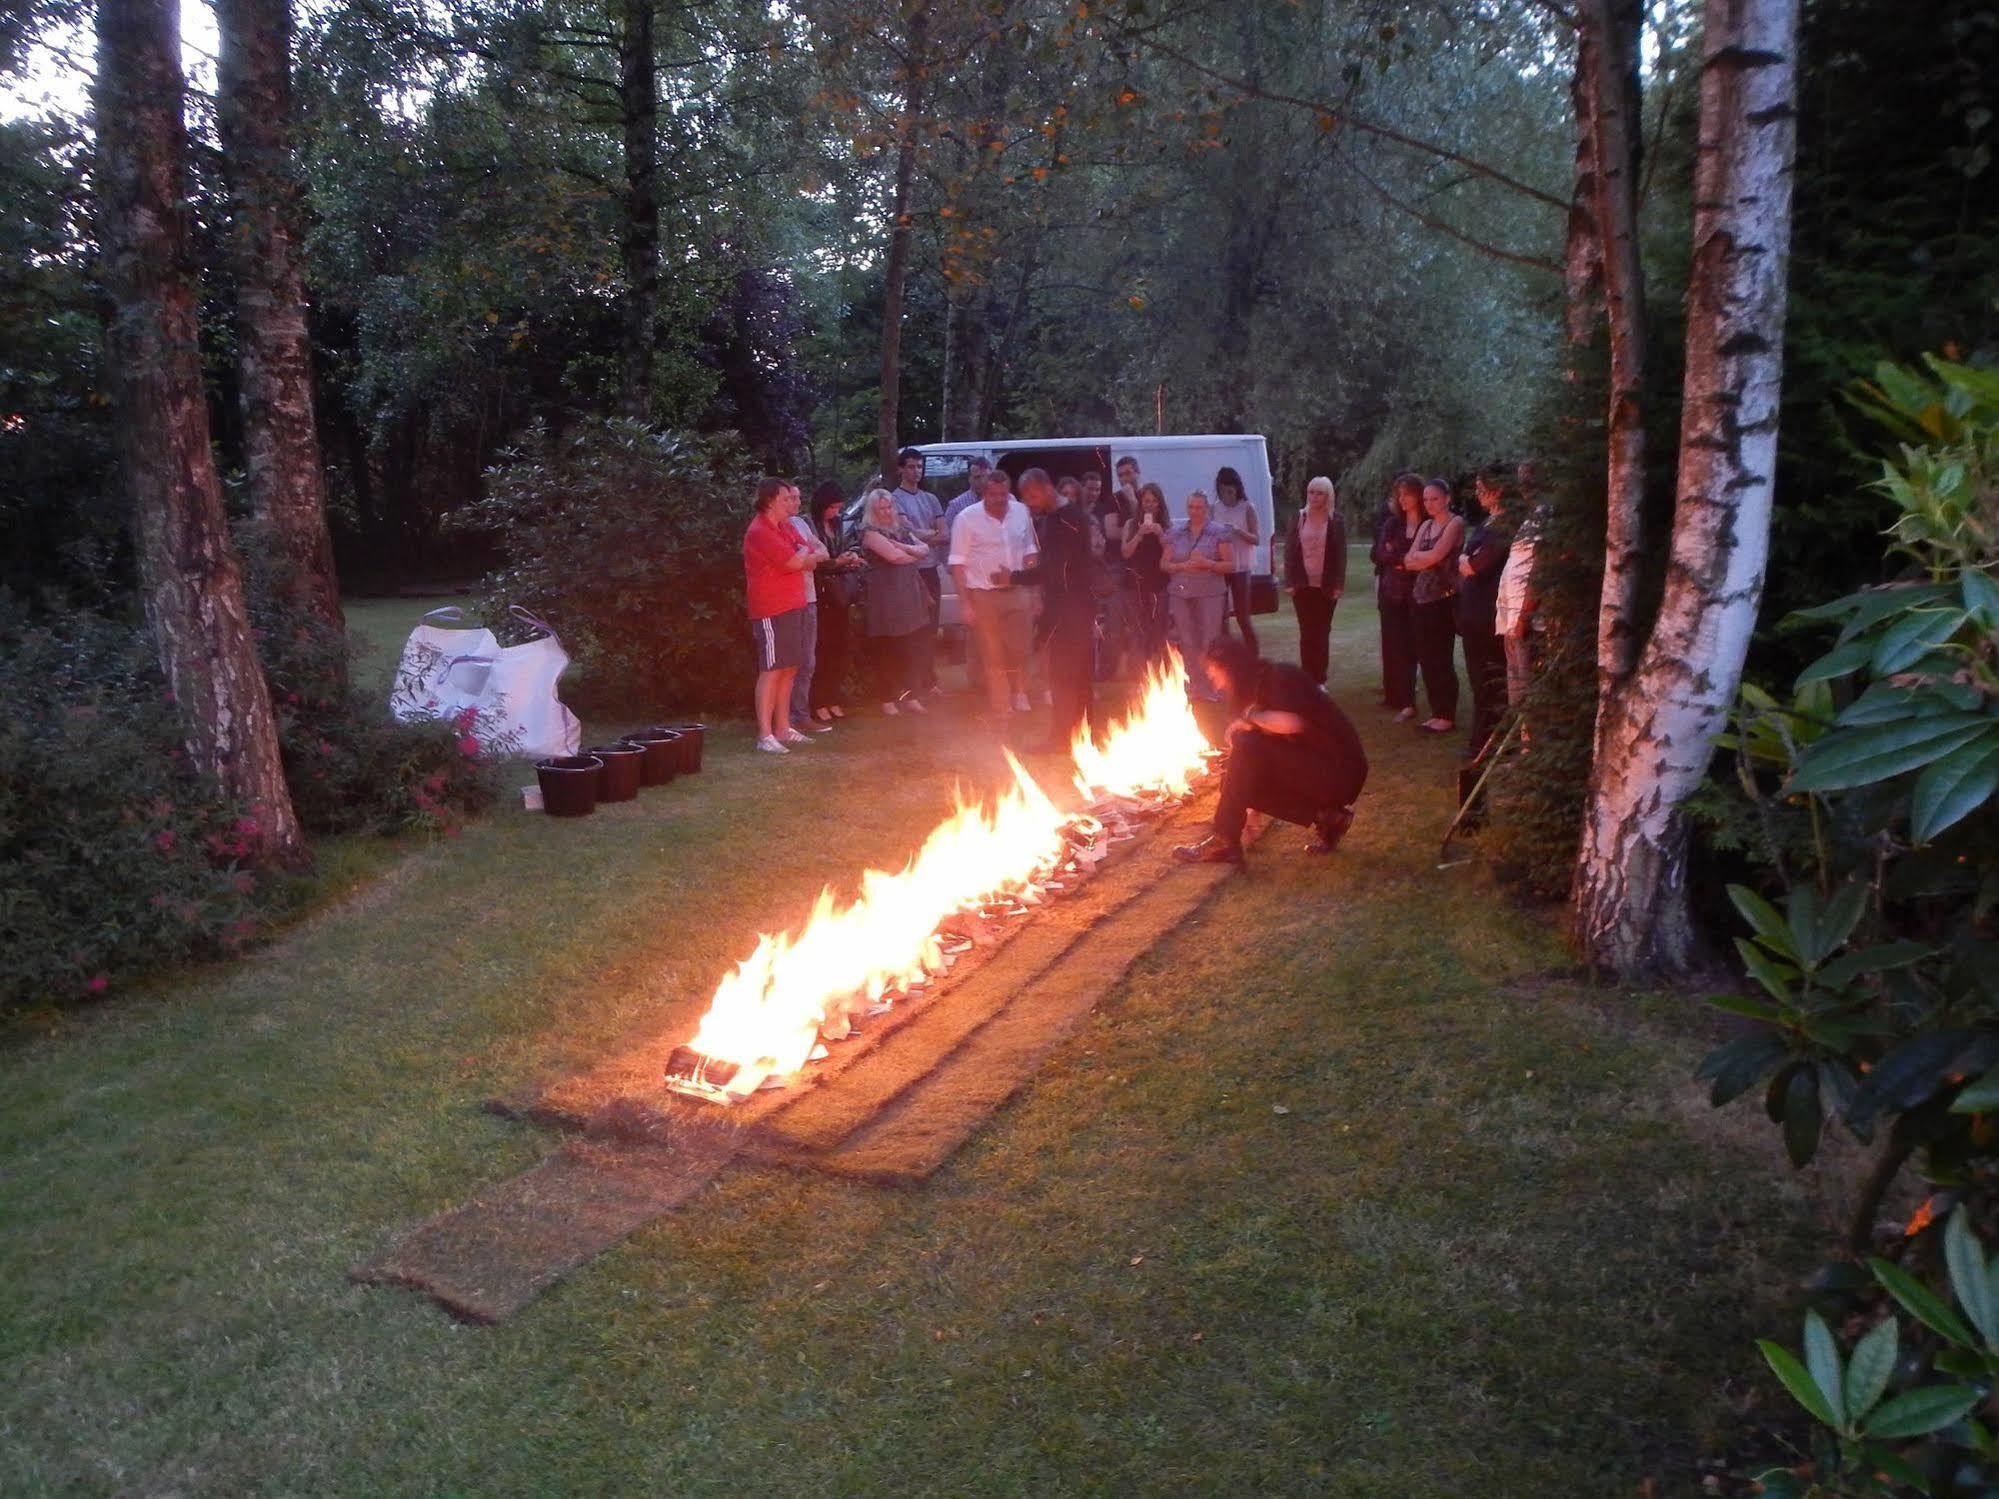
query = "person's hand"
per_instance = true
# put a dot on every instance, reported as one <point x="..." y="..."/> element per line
<point x="1240" y="727"/>
<point x="1464" y="567"/>
<point x="1001" y="577"/>
<point x="1336" y="594"/>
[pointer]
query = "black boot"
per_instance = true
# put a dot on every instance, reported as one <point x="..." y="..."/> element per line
<point x="1331" y="827"/>
<point x="1213" y="849"/>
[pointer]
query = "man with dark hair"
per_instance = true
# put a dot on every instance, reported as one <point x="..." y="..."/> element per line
<point x="1292" y="754"/>
<point x="923" y="513"/>
<point x="1068" y="607"/>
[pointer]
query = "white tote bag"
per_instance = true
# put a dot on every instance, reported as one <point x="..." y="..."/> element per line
<point x="444" y="671"/>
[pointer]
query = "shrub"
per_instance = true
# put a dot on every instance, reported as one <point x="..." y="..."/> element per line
<point x="115" y="855"/>
<point x="629" y="542"/>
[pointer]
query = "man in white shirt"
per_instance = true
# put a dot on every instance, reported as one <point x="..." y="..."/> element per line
<point x="989" y="542"/>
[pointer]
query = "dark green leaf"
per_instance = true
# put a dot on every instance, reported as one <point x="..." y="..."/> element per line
<point x="1910" y="637"/>
<point x="1913" y="1071"/>
<point x="1837" y="920"/>
<point x="1856" y="757"/>
<point x="1980" y="1096"/>
<point x="1763" y="918"/>
<point x="1777" y="978"/>
<point x="1840" y="661"/>
<point x="1970" y="1277"/>
<point x="1922" y="1303"/>
<point x="1884" y="702"/>
<point x="1955" y="786"/>
<point x="1802" y="1116"/>
<point x="1773" y="1096"/>
<point x="1737" y="1066"/>
<point x="1742" y="1004"/>
<point x="1981" y="597"/>
<point x="1801" y="1385"/>
<point x="1883" y="1461"/>
<point x="1844" y="969"/>
<point x="1868" y="1370"/>
<point x="1919" y="1412"/>
<point x="1822" y="1358"/>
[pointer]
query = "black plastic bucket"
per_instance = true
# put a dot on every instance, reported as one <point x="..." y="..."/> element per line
<point x="623" y="765"/>
<point x="569" y="784"/>
<point x="662" y="747"/>
<point x="690" y="746"/>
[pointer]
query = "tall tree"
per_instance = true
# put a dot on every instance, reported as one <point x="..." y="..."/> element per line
<point x="189" y="574"/>
<point x="274" y="352"/>
<point x="1658" y="727"/>
<point x="901" y="227"/>
<point x="638" y="108"/>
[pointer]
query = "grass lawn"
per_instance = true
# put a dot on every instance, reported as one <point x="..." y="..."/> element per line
<point x="1337" y="1194"/>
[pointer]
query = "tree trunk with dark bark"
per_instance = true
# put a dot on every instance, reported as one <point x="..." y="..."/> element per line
<point x="189" y="574"/>
<point x="1656" y="741"/>
<point x="901" y="231"/>
<point x="274" y="351"/>
<point x="638" y="247"/>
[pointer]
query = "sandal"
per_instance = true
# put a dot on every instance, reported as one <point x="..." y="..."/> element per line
<point x="1437" y="726"/>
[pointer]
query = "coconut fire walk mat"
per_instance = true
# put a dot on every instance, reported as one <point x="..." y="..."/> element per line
<point x="890" y="1106"/>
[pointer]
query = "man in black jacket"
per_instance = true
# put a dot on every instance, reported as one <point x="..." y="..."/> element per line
<point x="1292" y="754"/>
<point x="1068" y="607"/>
<point x="1479" y="567"/>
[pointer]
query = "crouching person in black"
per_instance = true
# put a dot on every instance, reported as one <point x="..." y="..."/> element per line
<point x="1292" y="754"/>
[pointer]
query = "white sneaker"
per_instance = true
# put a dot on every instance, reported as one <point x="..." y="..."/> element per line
<point x="913" y="705"/>
<point x="770" y="746"/>
<point x="792" y="736"/>
<point x="890" y="710"/>
<point x="1020" y="703"/>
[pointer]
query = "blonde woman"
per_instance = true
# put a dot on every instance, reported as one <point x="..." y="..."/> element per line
<point x="897" y="608"/>
<point x="1315" y="572"/>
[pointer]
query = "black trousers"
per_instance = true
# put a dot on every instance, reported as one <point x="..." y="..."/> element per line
<point x="923" y="648"/>
<point x="1286" y="778"/>
<point x="1072" y="629"/>
<point x="1436" y="653"/>
<point x="1485" y="664"/>
<point x="892" y="664"/>
<point x="1239" y="607"/>
<point x="1398" y="651"/>
<point x="1314" y="608"/>
<point x="829" y="670"/>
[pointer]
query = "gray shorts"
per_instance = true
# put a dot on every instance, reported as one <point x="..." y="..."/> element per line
<point x="780" y="641"/>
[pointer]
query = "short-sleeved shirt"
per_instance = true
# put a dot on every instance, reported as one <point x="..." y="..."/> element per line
<point x="1179" y="545"/>
<point x="804" y="528"/>
<point x="983" y="544"/>
<point x="921" y="511"/>
<point x="767" y="546"/>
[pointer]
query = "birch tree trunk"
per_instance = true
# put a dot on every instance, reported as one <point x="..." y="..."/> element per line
<point x="1657" y="735"/>
<point x="895" y="273"/>
<point x="189" y="574"/>
<point x="1615" y="26"/>
<point x="638" y="248"/>
<point x="274" y="351"/>
<point x="1582" y="251"/>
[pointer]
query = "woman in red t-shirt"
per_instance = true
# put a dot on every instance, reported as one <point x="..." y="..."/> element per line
<point x="775" y="558"/>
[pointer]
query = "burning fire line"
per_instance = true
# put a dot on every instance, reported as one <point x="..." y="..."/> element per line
<point x="982" y="863"/>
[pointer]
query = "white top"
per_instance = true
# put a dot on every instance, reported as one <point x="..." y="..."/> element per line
<point x="982" y="544"/>
<point x="1513" y="580"/>
<point x="804" y="528"/>
<point x="1240" y="518"/>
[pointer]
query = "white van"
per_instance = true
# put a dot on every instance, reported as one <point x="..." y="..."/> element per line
<point x="1178" y="465"/>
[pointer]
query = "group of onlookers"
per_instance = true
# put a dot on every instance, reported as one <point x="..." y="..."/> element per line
<point x="1439" y="580"/>
<point x="1068" y="581"/>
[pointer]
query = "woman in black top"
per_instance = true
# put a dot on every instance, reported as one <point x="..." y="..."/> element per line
<point x="1142" y="548"/>
<point x="1486" y="548"/>
<point x="1392" y="588"/>
<point x="1432" y="559"/>
<point x="836" y="597"/>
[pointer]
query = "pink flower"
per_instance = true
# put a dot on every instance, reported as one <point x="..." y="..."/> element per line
<point x="165" y="839"/>
<point x="468" y="746"/>
<point x="247" y="826"/>
<point x="98" y="984"/>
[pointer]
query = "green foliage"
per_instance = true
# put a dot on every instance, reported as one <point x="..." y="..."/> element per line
<point x="629" y="542"/>
<point x="1878" y="972"/>
<point x="115" y="856"/>
<point x="1923" y="1436"/>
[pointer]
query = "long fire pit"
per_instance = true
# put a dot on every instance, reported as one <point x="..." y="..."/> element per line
<point x="981" y="872"/>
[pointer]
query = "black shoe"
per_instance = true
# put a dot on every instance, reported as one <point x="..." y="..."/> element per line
<point x="1331" y="828"/>
<point x="1210" y="850"/>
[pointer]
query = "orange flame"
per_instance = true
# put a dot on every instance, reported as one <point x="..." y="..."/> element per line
<point x="771" y="1010"/>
